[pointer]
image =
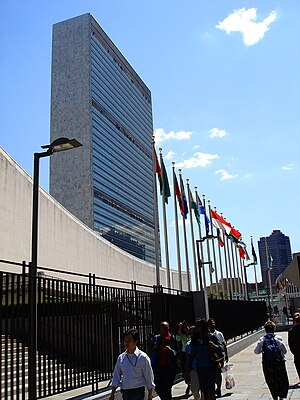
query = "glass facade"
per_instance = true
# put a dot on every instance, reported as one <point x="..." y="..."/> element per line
<point x="122" y="167"/>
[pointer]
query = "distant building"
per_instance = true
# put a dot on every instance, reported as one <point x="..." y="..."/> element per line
<point x="280" y="249"/>
<point x="98" y="98"/>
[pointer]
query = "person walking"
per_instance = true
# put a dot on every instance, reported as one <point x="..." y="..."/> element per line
<point x="219" y="335"/>
<point x="132" y="371"/>
<point x="294" y="341"/>
<point x="273" y="350"/>
<point x="207" y="352"/>
<point x="191" y="376"/>
<point x="164" y="361"/>
<point x="182" y="338"/>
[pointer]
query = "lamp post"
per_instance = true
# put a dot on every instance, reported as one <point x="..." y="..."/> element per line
<point x="200" y="262"/>
<point x="246" y="281"/>
<point x="57" y="145"/>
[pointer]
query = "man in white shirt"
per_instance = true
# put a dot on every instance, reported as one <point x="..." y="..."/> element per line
<point x="133" y="370"/>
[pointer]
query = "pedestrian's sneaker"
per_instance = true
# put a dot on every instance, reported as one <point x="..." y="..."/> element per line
<point x="218" y="392"/>
<point x="187" y="391"/>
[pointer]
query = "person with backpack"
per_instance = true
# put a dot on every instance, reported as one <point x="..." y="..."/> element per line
<point x="273" y="350"/>
<point x="219" y="335"/>
<point x="206" y="355"/>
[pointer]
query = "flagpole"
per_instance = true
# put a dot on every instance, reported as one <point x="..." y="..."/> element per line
<point x="177" y="231"/>
<point x="208" y="254"/>
<point x="213" y="249"/>
<point x="255" y="263"/>
<point x="165" y="228"/>
<point x="156" y="224"/>
<point x="242" y="272"/>
<point x="201" y="268"/>
<point x="234" y="271"/>
<point x="228" y="294"/>
<point x="243" y="269"/>
<point x="192" y="236"/>
<point x="239" y="272"/>
<point x="245" y="275"/>
<point x="221" y="268"/>
<point x="269" y="272"/>
<point x="255" y="278"/>
<point x="227" y="250"/>
<point x="185" y="244"/>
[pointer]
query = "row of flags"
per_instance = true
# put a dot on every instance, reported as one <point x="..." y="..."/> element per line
<point x="196" y="205"/>
<point x="212" y="218"/>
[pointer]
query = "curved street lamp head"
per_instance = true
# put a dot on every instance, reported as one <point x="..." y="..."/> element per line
<point x="61" y="144"/>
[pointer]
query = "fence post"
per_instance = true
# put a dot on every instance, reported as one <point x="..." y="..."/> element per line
<point x="32" y="348"/>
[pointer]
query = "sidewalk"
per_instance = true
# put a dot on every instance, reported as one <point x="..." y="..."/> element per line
<point x="250" y="384"/>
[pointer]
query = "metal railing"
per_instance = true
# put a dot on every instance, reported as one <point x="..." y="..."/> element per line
<point x="80" y="326"/>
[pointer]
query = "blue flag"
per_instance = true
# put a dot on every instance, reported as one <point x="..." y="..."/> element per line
<point x="202" y="211"/>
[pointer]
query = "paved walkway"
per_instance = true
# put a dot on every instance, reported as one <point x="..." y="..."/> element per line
<point x="250" y="383"/>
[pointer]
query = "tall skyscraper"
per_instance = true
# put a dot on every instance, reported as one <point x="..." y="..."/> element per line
<point x="278" y="245"/>
<point x="99" y="99"/>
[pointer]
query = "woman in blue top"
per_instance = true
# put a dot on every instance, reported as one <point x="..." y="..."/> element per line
<point x="206" y="353"/>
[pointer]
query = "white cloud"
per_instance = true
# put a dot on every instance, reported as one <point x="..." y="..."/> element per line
<point x="216" y="132"/>
<point x="160" y="135"/>
<point x="169" y="155"/>
<point x="244" y="21"/>
<point x="199" y="159"/>
<point x="225" y="175"/>
<point x="289" y="167"/>
<point x="196" y="146"/>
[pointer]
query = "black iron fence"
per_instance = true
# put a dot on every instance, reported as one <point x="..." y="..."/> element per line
<point x="80" y="326"/>
<point x="235" y="318"/>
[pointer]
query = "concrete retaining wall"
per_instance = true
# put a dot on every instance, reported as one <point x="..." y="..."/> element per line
<point x="65" y="243"/>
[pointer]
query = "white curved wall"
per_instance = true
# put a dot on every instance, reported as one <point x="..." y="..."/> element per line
<point x="64" y="242"/>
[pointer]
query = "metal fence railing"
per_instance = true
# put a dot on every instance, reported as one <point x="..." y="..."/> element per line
<point x="80" y="325"/>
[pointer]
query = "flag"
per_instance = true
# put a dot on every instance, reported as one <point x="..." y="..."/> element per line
<point x="233" y="239"/>
<point x="235" y="232"/>
<point x="185" y="209"/>
<point x="221" y="243"/>
<point x="253" y="252"/>
<point x="202" y="211"/>
<point x="165" y="192"/>
<point x="243" y="253"/>
<point x="178" y="193"/>
<point x="194" y="207"/>
<point x="270" y="260"/>
<point x="242" y="247"/>
<point x="280" y="282"/>
<point x="220" y="222"/>
<point x="158" y="171"/>
<point x="269" y="255"/>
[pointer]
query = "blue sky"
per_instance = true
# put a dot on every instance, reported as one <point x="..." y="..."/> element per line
<point x="225" y="83"/>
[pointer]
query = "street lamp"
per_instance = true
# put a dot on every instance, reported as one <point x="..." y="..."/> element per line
<point x="200" y="262"/>
<point x="57" y="145"/>
<point x="246" y="281"/>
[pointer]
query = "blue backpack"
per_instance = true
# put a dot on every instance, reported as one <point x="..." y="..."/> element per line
<point x="271" y="351"/>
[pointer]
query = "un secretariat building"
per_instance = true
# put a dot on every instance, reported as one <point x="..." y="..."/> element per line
<point x="98" y="98"/>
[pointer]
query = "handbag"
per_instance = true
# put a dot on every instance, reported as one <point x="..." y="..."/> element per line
<point x="228" y="376"/>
